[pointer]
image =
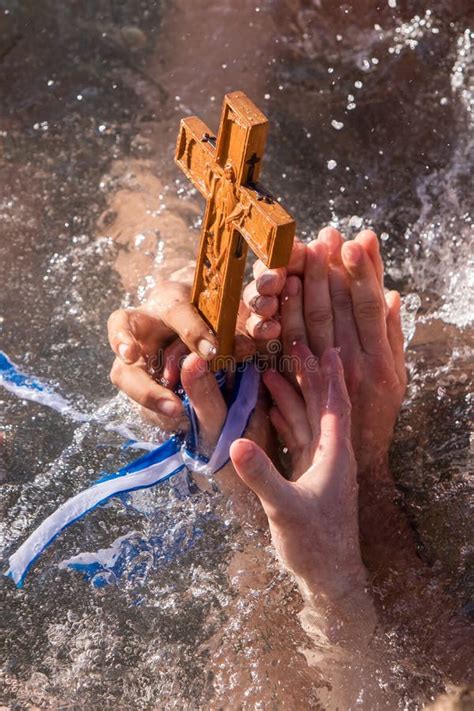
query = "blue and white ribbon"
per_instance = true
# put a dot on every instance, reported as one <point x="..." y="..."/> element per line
<point x="28" y="387"/>
<point x="148" y="470"/>
<point x="31" y="388"/>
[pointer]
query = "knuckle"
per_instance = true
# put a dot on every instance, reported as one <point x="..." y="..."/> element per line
<point x="368" y="309"/>
<point x="341" y="300"/>
<point x="147" y="401"/>
<point x="320" y="317"/>
<point x="171" y="295"/>
<point x="173" y="287"/>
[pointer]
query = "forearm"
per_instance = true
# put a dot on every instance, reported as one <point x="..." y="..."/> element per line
<point x="387" y="538"/>
<point x="348" y="652"/>
<point x="403" y="581"/>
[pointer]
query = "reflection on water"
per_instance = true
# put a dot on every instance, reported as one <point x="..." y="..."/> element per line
<point x="370" y="114"/>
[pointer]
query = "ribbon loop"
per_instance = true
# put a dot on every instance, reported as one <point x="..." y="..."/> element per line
<point x="148" y="470"/>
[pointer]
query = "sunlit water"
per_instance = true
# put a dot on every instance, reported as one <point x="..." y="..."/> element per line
<point x="370" y="114"/>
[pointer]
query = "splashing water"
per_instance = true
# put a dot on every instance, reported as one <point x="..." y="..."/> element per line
<point x="95" y="214"/>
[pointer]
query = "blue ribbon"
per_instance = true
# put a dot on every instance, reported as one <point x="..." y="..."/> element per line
<point x="148" y="470"/>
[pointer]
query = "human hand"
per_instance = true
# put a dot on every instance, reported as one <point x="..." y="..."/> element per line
<point x="344" y="306"/>
<point x="260" y="296"/>
<point x="210" y="412"/>
<point x="313" y="518"/>
<point x="149" y="343"/>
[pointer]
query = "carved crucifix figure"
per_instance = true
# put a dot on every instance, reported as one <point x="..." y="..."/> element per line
<point x="239" y="212"/>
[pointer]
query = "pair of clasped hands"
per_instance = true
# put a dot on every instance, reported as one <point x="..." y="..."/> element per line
<point x="334" y="410"/>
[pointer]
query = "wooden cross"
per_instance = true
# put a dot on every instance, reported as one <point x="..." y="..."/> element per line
<point x="239" y="212"/>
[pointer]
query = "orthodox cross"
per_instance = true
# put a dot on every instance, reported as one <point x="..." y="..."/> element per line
<point x="239" y="212"/>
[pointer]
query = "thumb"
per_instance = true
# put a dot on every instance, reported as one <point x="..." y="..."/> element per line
<point x="204" y="395"/>
<point x="258" y="473"/>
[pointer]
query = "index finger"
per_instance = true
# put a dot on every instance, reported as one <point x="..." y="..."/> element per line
<point x="135" y="382"/>
<point x="172" y="306"/>
<point x="270" y="282"/>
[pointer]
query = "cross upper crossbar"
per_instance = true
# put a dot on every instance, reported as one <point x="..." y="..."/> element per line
<point x="239" y="212"/>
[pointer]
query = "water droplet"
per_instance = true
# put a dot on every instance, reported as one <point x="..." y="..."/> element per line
<point x="331" y="164"/>
<point x="356" y="222"/>
<point x="337" y="125"/>
<point x="266" y="96"/>
<point x="358" y="84"/>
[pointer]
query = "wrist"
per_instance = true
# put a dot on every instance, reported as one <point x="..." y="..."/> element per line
<point x="345" y="615"/>
<point x="334" y="591"/>
<point x="372" y="458"/>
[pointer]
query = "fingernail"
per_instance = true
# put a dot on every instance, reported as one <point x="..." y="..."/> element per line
<point x="206" y="348"/>
<point x="353" y="253"/>
<point x="259" y="303"/>
<point x="124" y="352"/>
<point x="265" y="281"/>
<point x="266" y="325"/>
<point x="292" y="286"/>
<point x="168" y="408"/>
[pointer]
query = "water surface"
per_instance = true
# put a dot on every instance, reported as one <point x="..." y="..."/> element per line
<point x="371" y="119"/>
